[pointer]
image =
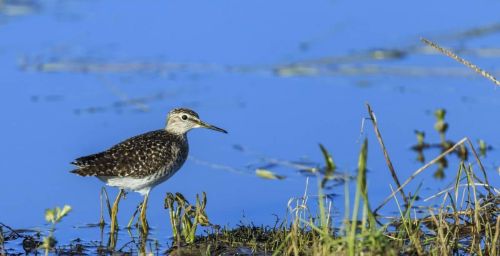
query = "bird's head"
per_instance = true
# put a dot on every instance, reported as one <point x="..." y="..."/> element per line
<point x="181" y="120"/>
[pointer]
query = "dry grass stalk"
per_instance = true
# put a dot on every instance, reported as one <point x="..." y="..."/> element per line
<point x="384" y="149"/>
<point x="420" y="170"/>
<point x="461" y="60"/>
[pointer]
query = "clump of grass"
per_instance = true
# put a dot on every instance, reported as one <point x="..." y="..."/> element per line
<point x="184" y="217"/>
<point x="464" y="222"/>
<point x="307" y="229"/>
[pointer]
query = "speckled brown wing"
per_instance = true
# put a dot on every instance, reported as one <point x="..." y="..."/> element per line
<point x="138" y="156"/>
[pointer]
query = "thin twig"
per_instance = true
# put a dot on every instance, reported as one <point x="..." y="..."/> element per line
<point x="11" y="230"/>
<point x="386" y="154"/>
<point x="460" y="185"/>
<point x="461" y="60"/>
<point x="421" y="169"/>
<point x="483" y="170"/>
<point x="108" y="204"/>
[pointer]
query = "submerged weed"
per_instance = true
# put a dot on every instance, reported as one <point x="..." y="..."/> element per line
<point x="53" y="217"/>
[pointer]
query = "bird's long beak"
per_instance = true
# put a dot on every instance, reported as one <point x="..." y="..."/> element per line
<point x="211" y="127"/>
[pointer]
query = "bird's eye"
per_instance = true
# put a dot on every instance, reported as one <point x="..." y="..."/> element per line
<point x="184" y="117"/>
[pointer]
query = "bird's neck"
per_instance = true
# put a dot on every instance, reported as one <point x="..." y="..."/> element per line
<point x="177" y="129"/>
<point x="177" y="133"/>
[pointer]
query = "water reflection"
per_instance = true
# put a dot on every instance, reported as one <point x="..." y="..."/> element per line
<point x="441" y="126"/>
<point x="109" y="243"/>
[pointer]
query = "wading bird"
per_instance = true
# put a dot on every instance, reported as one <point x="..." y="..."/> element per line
<point x="144" y="161"/>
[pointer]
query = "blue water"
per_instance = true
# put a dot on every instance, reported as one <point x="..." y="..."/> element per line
<point x="80" y="76"/>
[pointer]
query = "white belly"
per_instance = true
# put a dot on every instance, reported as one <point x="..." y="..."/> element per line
<point x="139" y="185"/>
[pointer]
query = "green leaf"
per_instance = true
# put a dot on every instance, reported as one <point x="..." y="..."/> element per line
<point x="330" y="165"/>
<point x="58" y="213"/>
<point x="440" y="113"/>
<point x="202" y="219"/>
<point x="66" y="209"/>
<point x="50" y="215"/>
<point x="61" y="213"/>
<point x="268" y="175"/>
<point x="420" y="137"/>
<point x="361" y="181"/>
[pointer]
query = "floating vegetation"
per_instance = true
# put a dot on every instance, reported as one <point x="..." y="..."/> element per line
<point x="296" y="70"/>
<point x="266" y="174"/>
<point x="18" y="7"/>
<point x="374" y="61"/>
<point x="54" y="65"/>
<point x="441" y="126"/>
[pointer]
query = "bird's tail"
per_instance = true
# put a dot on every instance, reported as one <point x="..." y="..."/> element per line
<point x="80" y="171"/>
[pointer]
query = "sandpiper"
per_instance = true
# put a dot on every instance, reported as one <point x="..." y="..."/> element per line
<point x="144" y="161"/>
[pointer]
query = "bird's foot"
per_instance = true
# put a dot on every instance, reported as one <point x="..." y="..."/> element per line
<point x="144" y="223"/>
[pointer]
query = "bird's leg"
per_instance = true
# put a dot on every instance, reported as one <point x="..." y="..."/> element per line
<point x="101" y="218"/>
<point x="113" y="238"/>
<point x="142" y="244"/>
<point x="144" y="221"/>
<point x="114" y="212"/>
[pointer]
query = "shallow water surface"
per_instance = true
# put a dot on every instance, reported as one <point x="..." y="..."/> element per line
<point x="281" y="77"/>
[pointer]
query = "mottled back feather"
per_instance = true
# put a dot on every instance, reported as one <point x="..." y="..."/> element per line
<point x="137" y="157"/>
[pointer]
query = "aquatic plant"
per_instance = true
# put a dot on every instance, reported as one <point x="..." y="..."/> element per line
<point x="330" y="166"/>
<point x="53" y="216"/>
<point x="266" y="174"/>
<point x="441" y="126"/>
<point x="184" y="217"/>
